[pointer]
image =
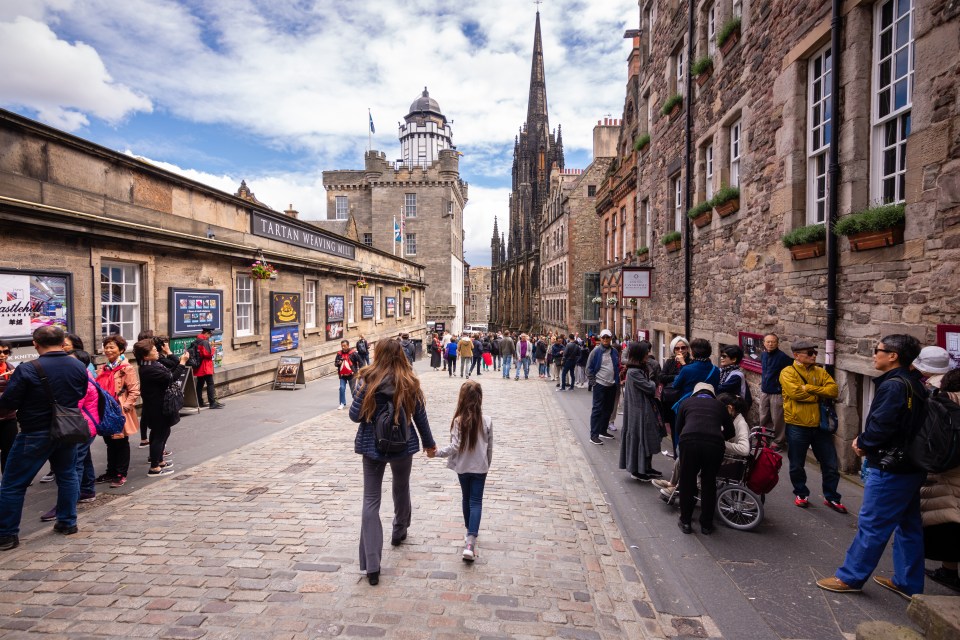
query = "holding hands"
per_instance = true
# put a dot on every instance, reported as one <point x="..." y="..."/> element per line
<point x="431" y="452"/>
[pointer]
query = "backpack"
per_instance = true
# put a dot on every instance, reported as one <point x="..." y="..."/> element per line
<point x="173" y="399"/>
<point x="934" y="445"/>
<point x="389" y="434"/>
<point x="112" y="419"/>
<point x="193" y="361"/>
<point x="765" y="472"/>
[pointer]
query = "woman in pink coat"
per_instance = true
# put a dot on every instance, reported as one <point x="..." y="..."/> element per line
<point x="119" y="378"/>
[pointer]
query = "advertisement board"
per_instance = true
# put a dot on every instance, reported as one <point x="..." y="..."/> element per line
<point x="367" y="306"/>
<point x="33" y="299"/>
<point x="194" y="309"/>
<point x="407" y="306"/>
<point x="335" y="308"/>
<point x="179" y="345"/>
<point x="284" y="339"/>
<point x="390" y="307"/>
<point x="752" y="345"/>
<point x="284" y="310"/>
<point x="289" y="373"/>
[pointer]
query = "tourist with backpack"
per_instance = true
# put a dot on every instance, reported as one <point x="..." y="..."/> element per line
<point x="347" y="363"/>
<point x="363" y="350"/>
<point x="156" y="376"/>
<point x="891" y="496"/>
<point x="571" y="355"/>
<point x="391" y="410"/>
<point x="201" y="360"/>
<point x="119" y="378"/>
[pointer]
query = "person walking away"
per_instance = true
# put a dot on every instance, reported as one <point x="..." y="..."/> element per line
<point x="363" y="350"/>
<point x="203" y="374"/>
<point x="507" y="351"/>
<point x="477" y="355"/>
<point x="347" y="362"/>
<point x="8" y="417"/>
<point x="155" y="376"/>
<point x="452" y="348"/>
<point x="119" y="378"/>
<point x="470" y="454"/>
<point x="571" y="354"/>
<point x="389" y="381"/>
<point x="603" y="370"/>
<point x="436" y="353"/>
<point x="495" y="351"/>
<point x="465" y="353"/>
<point x="891" y="496"/>
<point x="540" y="357"/>
<point x="524" y="353"/>
<point x="703" y="424"/>
<point x="804" y="386"/>
<point x="773" y="361"/>
<point x="556" y="359"/>
<point x="408" y="347"/>
<point x="641" y="420"/>
<point x="581" y="369"/>
<point x="26" y="393"/>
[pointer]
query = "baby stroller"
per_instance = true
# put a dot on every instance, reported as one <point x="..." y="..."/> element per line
<point x="742" y="483"/>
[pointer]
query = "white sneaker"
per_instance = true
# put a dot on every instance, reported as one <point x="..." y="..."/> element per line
<point x="49" y="477"/>
<point x="340" y="408"/>
<point x="611" y="427"/>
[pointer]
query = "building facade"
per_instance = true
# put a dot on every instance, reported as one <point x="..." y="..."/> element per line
<point x="99" y="242"/>
<point x="516" y="270"/>
<point x="747" y="150"/>
<point x="422" y="195"/>
<point x="479" y="305"/>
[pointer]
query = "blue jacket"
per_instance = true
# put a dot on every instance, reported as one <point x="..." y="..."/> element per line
<point x="593" y="364"/>
<point x="25" y="393"/>
<point x="452" y="349"/>
<point x="773" y="364"/>
<point x="365" y="443"/>
<point x="889" y="420"/>
<point x="695" y="372"/>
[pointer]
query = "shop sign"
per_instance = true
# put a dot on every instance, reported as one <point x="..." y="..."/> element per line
<point x="635" y="283"/>
<point x="289" y="373"/>
<point x="284" y="309"/>
<point x="193" y="309"/>
<point x="267" y="227"/>
<point x="33" y="299"/>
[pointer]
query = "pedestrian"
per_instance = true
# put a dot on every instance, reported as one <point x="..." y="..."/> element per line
<point x="495" y="351"/>
<point x="680" y="348"/>
<point x="119" y="378"/>
<point x="203" y="373"/>
<point x="408" y="347"/>
<point x="507" y="351"/>
<point x="524" y="354"/>
<point x="8" y="417"/>
<point x="698" y="370"/>
<point x="703" y="424"/>
<point x="571" y="355"/>
<point x="541" y="357"/>
<point x="436" y="352"/>
<point x="772" y="362"/>
<point x="641" y="419"/>
<point x="363" y="350"/>
<point x="389" y="380"/>
<point x="465" y="353"/>
<point x="732" y="379"/>
<point x="452" y="349"/>
<point x="556" y="358"/>
<point x="477" y="360"/>
<point x="891" y="495"/>
<point x="65" y="378"/>
<point x="156" y="375"/>
<point x="71" y="342"/>
<point x="603" y="370"/>
<point x="347" y="362"/>
<point x="470" y="454"/>
<point x="804" y="386"/>
<point x="485" y="352"/>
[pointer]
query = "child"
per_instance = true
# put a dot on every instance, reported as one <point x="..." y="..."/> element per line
<point x="470" y="452"/>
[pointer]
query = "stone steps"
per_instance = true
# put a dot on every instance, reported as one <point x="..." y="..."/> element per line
<point x="938" y="616"/>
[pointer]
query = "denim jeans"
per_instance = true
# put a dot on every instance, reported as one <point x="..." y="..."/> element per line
<point x="507" y="363"/>
<point x="344" y="383"/>
<point x="799" y="439"/>
<point x="525" y="363"/>
<point x="603" y="399"/>
<point x="567" y="369"/>
<point x="891" y="506"/>
<point x="541" y="368"/>
<point x="496" y="361"/>
<point x="471" y="486"/>
<point x="86" y="476"/>
<point x="29" y="454"/>
<point x="477" y="361"/>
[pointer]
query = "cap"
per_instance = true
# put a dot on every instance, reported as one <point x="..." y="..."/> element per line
<point x="606" y="334"/>
<point x="704" y="386"/>
<point x="802" y="345"/>
<point x="206" y="330"/>
<point x="933" y="360"/>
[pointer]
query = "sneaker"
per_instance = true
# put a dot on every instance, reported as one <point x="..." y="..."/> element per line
<point x="606" y="434"/>
<point x="596" y="440"/>
<point x="802" y="502"/>
<point x="662" y="483"/>
<point x="469" y="555"/>
<point x="836" y="585"/>
<point x="67" y="530"/>
<point x="217" y="405"/>
<point x="888" y="584"/>
<point x="104" y="478"/>
<point x="49" y="515"/>
<point x="144" y="443"/>
<point x="165" y="471"/>
<point x="653" y="473"/>
<point x="340" y="407"/>
<point x="118" y="482"/>
<point x="642" y="477"/>
<point x="49" y="477"/>
<point x="611" y="427"/>
<point x="9" y="542"/>
<point x="87" y="497"/>
<point x="836" y="506"/>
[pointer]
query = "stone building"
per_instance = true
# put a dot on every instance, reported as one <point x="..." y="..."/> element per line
<point x="775" y="89"/>
<point x="516" y="270"/>
<point x="423" y="195"/>
<point x="100" y="242"/>
<point x="479" y="307"/>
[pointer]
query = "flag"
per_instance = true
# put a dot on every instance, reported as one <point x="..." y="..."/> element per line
<point x="396" y="230"/>
<point x="370" y="115"/>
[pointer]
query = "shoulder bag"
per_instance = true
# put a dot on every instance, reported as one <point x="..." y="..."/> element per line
<point x="67" y="425"/>
<point x="829" y="421"/>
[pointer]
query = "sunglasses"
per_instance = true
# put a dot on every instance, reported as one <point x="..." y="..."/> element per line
<point x="877" y="350"/>
<point x="809" y="352"/>
<point x="5" y="352"/>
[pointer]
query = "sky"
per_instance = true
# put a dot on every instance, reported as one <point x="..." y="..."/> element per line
<point x="275" y="92"/>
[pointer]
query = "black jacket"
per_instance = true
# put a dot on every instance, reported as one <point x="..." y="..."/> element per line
<point x="155" y="377"/>
<point x="705" y="419"/>
<point x="26" y="394"/>
<point x="890" y="420"/>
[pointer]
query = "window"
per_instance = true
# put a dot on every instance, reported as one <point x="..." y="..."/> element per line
<point x="818" y="135"/>
<point x="243" y="306"/>
<point x="623" y="231"/>
<point x="450" y="207"/>
<point x="738" y="8"/>
<point x="606" y="240"/>
<point x="591" y="290"/>
<point x="643" y="224"/>
<point x="378" y="305"/>
<point x="342" y="207"/>
<point x="411" y="243"/>
<point x="676" y="203"/>
<point x="368" y="239"/>
<point x="613" y="237"/>
<point x="410" y="205"/>
<point x="351" y="301"/>
<point x="735" y="149"/>
<point x="310" y="305"/>
<point x="711" y="30"/>
<point x="678" y="61"/>
<point x="708" y="174"/>
<point x="648" y="28"/>
<point x="591" y="190"/>
<point x="893" y="99"/>
<point x="120" y="300"/>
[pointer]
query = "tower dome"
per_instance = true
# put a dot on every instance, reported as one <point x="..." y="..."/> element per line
<point x="424" y="133"/>
<point x="425" y="104"/>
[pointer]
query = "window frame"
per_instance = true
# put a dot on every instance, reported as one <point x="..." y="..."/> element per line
<point x="239" y="305"/>
<point x="409" y="210"/>
<point x="708" y="159"/>
<point x="351" y="304"/>
<point x="410" y="239"/>
<point x="711" y="30"/>
<point x="310" y="305"/>
<point x="135" y="320"/>
<point x="676" y="201"/>
<point x="368" y="239"/>
<point x="736" y="151"/>
<point x="344" y="212"/>
<point x="817" y="154"/>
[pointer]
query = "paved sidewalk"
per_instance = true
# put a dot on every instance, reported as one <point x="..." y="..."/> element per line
<point x="262" y="543"/>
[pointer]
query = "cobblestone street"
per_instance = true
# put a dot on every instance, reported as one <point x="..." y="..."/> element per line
<point x="262" y="543"/>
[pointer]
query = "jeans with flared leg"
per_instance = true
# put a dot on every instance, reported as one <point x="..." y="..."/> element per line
<point x="371" y="530"/>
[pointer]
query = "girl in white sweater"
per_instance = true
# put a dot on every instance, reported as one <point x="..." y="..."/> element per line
<point x="470" y="453"/>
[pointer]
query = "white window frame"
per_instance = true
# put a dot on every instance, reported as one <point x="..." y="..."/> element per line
<point x="708" y="157"/>
<point x="342" y="212"/>
<point x="368" y="239"/>
<point x="128" y="306"/>
<point x="645" y="212"/>
<point x="410" y="244"/>
<point x="310" y="305"/>
<point x="678" y="61"/>
<point x="738" y="9"/>
<point x="891" y="130"/>
<point x="410" y="205"/>
<point x="351" y="304"/>
<point x="650" y="16"/>
<point x="712" y="30"/>
<point x="677" y="185"/>
<point x="623" y="231"/>
<point x="819" y="120"/>
<point x="243" y="306"/>
<point x="613" y="238"/>
<point x="379" y="303"/>
<point x="736" y="152"/>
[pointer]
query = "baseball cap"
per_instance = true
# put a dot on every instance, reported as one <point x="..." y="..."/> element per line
<point x="606" y="334"/>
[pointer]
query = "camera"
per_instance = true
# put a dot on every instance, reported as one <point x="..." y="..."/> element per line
<point x="891" y="459"/>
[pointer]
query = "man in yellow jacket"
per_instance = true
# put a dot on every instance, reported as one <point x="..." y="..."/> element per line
<point x="804" y="386"/>
<point x="465" y="353"/>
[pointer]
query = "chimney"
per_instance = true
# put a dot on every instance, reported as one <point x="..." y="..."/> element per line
<point x="293" y="213"/>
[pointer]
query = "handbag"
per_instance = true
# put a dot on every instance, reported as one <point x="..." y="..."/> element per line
<point x="67" y="425"/>
<point x="829" y="421"/>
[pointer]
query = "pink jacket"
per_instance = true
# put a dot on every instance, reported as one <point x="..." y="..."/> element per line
<point x="89" y="406"/>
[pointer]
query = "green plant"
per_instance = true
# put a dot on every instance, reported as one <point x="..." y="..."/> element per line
<point x="643" y="250"/>
<point x="729" y="27"/>
<point x="641" y="141"/>
<point x="701" y="208"/>
<point x="670" y="103"/>
<point x="877" y="218"/>
<point x="262" y="270"/>
<point x="805" y="235"/>
<point x="725" y="194"/>
<point x="673" y="236"/>
<point x="701" y="65"/>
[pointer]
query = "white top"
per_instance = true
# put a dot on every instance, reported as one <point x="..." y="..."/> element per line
<point x="476" y="461"/>
<point x="739" y="445"/>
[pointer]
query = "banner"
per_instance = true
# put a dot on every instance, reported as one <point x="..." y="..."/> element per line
<point x="33" y="299"/>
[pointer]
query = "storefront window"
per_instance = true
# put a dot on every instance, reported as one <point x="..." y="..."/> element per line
<point x="243" y="303"/>
<point x="120" y="300"/>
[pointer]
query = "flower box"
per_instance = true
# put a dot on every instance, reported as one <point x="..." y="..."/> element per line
<point x="729" y="35"/>
<point x="702" y="69"/>
<point x="703" y="219"/>
<point x="806" y="242"/>
<point x="262" y="270"/>
<point x="866" y="240"/>
<point x="672" y="106"/>
<point x="703" y="77"/>
<point x="642" y="142"/>
<point x="728" y="208"/>
<point x="643" y="254"/>
<point x="873" y="228"/>
<point x="808" y="250"/>
<point x="672" y="246"/>
<point x="671" y="241"/>
<point x="727" y="201"/>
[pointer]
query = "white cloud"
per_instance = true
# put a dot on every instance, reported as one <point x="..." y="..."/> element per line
<point x="61" y="81"/>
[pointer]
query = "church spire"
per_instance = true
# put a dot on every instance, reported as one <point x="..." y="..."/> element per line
<point x="537" y="102"/>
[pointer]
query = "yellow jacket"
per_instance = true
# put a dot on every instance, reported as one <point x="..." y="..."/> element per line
<point x="465" y="348"/>
<point x="802" y="406"/>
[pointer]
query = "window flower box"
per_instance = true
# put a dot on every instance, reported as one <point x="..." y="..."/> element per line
<point x="729" y="35"/>
<point x="642" y="142"/>
<point x="727" y="201"/>
<point x="807" y="242"/>
<point x="671" y="241"/>
<point x="672" y="106"/>
<point x="702" y="69"/>
<point x="643" y="254"/>
<point x="702" y="214"/>
<point x="873" y="228"/>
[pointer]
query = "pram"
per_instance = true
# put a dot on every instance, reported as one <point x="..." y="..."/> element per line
<point x="738" y="506"/>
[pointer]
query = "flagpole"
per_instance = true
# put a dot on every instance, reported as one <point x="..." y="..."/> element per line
<point x="394" y="230"/>
<point x="369" y="130"/>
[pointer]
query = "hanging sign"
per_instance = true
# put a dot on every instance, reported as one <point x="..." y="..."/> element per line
<point x="635" y="283"/>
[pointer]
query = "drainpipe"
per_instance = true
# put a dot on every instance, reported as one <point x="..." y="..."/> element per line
<point x="833" y="249"/>
<point x="688" y="183"/>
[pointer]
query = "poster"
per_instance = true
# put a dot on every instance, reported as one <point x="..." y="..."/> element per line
<point x="334" y="330"/>
<point x="284" y="310"/>
<point x="335" y="308"/>
<point x="390" y="303"/>
<point x="284" y="339"/>
<point x="289" y="373"/>
<point x="407" y="306"/>
<point x="193" y="309"/>
<point x="948" y="337"/>
<point x="752" y="345"/>
<point x="643" y="334"/>
<point x="366" y="307"/>
<point x="34" y="299"/>
<point x="635" y="283"/>
<point x="179" y="345"/>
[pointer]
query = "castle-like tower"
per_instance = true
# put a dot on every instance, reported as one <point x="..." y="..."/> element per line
<point x="425" y="132"/>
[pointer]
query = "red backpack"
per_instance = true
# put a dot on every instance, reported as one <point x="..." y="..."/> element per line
<point x="766" y="471"/>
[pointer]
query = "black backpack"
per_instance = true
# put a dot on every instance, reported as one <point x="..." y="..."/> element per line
<point x="193" y="359"/>
<point x="934" y="445"/>
<point x="390" y="435"/>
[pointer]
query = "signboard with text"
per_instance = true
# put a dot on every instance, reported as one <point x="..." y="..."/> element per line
<point x="367" y="305"/>
<point x="193" y="309"/>
<point x="33" y="299"/>
<point x="295" y="234"/>
<point x="289" y="373"/>
<point x="635" y="283"/>
<point x="284" y="339"/>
